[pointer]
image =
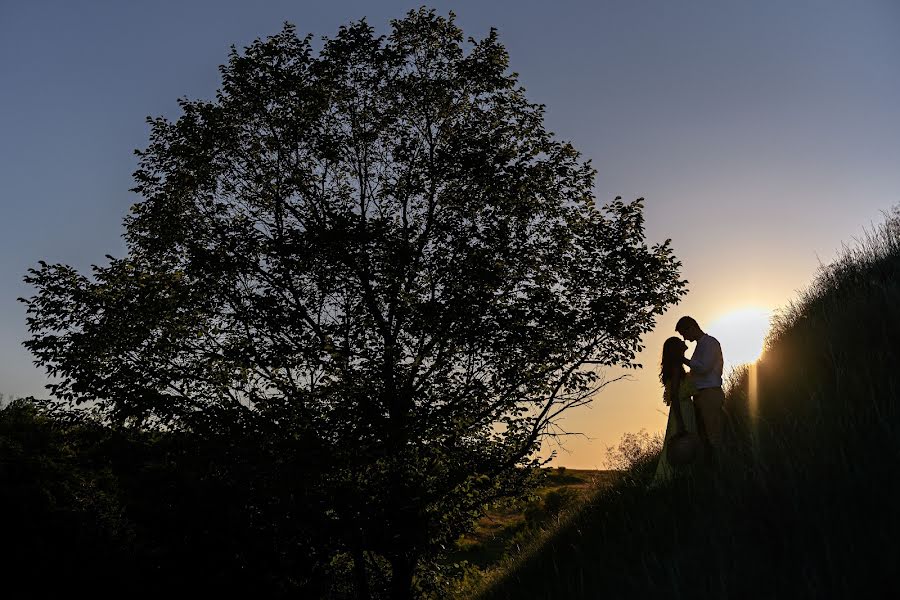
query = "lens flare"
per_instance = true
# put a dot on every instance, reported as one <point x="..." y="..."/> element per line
<point x="742" y="334"/>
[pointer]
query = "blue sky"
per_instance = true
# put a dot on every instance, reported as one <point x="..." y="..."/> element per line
<point x="763" y="134"/>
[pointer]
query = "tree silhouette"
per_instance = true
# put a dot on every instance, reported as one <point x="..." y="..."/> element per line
<point x="376" y="249"/>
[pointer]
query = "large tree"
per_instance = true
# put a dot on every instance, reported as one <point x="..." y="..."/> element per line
<point x="377" y="249"/>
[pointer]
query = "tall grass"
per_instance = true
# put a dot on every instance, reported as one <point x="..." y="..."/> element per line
<point x="804" y="502"/>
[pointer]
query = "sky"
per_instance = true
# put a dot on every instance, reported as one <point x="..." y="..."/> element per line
<point x="763" y="135"/>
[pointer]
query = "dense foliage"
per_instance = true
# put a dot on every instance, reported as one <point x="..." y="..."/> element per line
<point x="91" y="509"/>
<point x="377" y="258"/>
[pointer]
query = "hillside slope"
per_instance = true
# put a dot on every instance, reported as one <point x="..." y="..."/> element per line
<point x="805" y="502"/>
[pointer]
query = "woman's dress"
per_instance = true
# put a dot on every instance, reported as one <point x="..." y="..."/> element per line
<point x="664" y="470"/>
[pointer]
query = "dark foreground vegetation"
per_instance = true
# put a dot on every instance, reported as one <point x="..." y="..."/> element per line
<point x="101" y="509"/>
<point x="805" y="501"/>
<point x="95" y="509"/>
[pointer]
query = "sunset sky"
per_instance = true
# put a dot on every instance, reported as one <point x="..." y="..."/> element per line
<point x="762" y="134"/>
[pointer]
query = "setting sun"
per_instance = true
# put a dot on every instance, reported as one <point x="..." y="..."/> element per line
<point x="742" y="334"/>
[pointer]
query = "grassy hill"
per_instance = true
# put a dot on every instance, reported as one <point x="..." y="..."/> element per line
<point x="805" y="502"/>
<point x="513" y="524"/>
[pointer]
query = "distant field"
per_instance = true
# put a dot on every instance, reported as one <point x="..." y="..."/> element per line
<point x="506" y="527"/>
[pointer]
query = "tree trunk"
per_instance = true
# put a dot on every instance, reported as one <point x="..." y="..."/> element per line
<point x="359" y="574"/>
<point x="401" y="578"/>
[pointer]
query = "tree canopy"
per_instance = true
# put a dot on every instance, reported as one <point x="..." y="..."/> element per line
<point x="375" y="249"/>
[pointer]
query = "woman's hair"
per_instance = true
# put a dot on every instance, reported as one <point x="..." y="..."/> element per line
<point x="671" y="363"/>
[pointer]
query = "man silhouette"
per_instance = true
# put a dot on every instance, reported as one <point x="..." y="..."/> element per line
<point x="706" y="371"/>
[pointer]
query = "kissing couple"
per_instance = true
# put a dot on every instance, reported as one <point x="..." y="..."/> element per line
<point x="695" y="399"/>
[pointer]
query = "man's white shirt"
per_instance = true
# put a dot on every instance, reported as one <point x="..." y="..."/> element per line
<point x="706" y="363"/>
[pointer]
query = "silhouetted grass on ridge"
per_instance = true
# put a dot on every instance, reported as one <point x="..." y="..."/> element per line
<point x="805" y="501"/>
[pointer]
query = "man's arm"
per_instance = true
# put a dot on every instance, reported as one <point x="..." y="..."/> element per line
<point x="702" y="360"/>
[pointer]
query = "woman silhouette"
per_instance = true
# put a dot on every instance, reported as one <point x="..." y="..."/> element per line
<point x="677" y="395"/>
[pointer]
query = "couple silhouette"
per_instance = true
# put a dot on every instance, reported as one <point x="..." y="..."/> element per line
<point x="695" y="399"/>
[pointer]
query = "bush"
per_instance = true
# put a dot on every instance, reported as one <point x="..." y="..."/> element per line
<point x="100" y="508"/>
<point x="636" y="452"/>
